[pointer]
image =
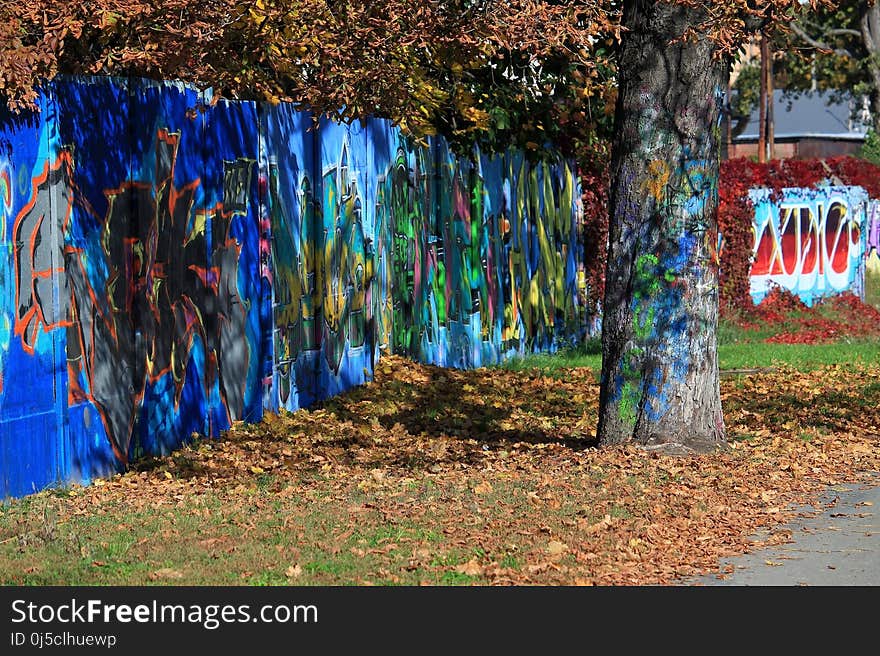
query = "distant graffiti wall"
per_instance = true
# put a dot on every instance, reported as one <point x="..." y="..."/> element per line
<point x="809" y="241"/>
<point x="171" y="264"/>
<point x="872" y="253"/>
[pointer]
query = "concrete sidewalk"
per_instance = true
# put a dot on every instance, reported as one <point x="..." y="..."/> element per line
<point x="840" y="546"/>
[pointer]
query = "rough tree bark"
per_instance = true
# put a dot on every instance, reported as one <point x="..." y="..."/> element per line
<point x="869" y="25"/>
<point x="659" y="360"/>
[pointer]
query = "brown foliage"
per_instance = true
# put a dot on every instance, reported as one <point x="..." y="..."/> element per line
<point x="421" y="63"/>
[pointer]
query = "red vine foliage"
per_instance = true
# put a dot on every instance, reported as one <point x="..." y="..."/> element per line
<point x="735" y="220"/>
<point x="594" y="200"/>
<point x="833" y="317"/>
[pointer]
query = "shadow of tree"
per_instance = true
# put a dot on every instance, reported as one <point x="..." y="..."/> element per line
<point x="831" y="409"/>
<point x="467" y="407"/>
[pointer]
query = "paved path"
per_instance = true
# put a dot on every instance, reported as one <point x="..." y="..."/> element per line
<point x="840" y="546"/>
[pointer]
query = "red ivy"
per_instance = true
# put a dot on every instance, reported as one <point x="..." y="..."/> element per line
<point x="792" y="322"/>
<point x="594" y="200"/>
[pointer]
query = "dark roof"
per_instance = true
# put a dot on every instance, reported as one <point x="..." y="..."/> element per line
<point x="815" y="114"/>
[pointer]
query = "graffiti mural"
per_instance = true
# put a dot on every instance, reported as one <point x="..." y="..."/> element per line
<point x="402" y="206"/>
<point x="487" y="264"/>
<point x="161" y="295"/>
<point x="159" y="338"/>
<point x="292" y="209"/>
<point x="546" y="254"/>
<point x="344" y="243"/>
<point x="178" y="264"/>
<point x="134" y="310"/>
<point x="7" y="282"/>
<point x="872" y="247"/>
<point x="32" y="372"/>
<point x="809" y="241"/>
<point x="344" y="270"/>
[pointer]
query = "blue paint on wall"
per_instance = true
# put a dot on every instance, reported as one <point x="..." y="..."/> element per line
<point x="33" y="389"/>
<point x="170" y="265"/>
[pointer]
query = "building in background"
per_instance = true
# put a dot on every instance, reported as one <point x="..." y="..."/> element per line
<point x="813" y="124"/>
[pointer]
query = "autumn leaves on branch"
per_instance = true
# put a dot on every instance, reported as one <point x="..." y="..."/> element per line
<point x="520" y="73"/>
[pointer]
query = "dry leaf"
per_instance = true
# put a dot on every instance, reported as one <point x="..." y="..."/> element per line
<point x="555" y="547"/>
<point x="483" y="488"/>
<point x="470" y="568"/>
<point x="604" y="523"/>
<point x="165" y="573"/>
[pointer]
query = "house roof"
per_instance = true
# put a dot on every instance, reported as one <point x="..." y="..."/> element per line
<point x="812" y="114"/>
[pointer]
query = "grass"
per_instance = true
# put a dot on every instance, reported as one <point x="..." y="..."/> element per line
<point x="259" y="536"/>
<point x="588" y="355"/>
<point x="803" y="357"/>
<point x="743" y="339"/>
<point x="733" y="353"/>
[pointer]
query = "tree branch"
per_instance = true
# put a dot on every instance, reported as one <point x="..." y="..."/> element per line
<point x="819" y="45"/>
<point x="842" y="31"/>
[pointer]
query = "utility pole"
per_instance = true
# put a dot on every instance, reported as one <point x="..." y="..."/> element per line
<point x="762" y="105"/>
<point x="728" y="121"/>
<point x="771" y="127"/>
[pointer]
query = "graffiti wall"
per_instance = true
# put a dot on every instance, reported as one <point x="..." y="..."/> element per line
<point x="33" y="303"/>
<point x="872" y="253"/>
<point x="487" y="256"/>
<point x="171" y="264"/>
<point x="809" y="241"/>
<point x="135" y="312"/>
<point x="291" y="212"/>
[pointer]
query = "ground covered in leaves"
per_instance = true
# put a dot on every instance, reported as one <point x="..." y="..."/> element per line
<point x="437" y="476"/>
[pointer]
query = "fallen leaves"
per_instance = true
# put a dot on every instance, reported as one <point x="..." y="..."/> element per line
<point x="431" y="474"/>
<point x="556" y="548"/>
<point x="166" y="573"/>
<point x="604" y="523"/>
<point x="470" y="568"/>
<point x="483" y="488"/>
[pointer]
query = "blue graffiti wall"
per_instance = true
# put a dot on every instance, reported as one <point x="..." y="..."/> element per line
<point x="162" y="268"/>
<point x="173" y="263"/>
<point x="34" y="211"/>
<point x="291" y="208"/>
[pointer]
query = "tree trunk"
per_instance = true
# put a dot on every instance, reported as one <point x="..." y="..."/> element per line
<point x="659" y="360"/>
<point x="869" y="24"/>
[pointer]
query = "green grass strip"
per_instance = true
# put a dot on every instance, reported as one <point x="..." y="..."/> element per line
<point x="744" y="355"/>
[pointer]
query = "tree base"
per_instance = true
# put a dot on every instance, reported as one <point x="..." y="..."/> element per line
<point x="692" y="448"/>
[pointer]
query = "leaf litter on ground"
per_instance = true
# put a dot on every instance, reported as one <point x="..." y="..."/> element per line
<point x="442" y="476"/>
